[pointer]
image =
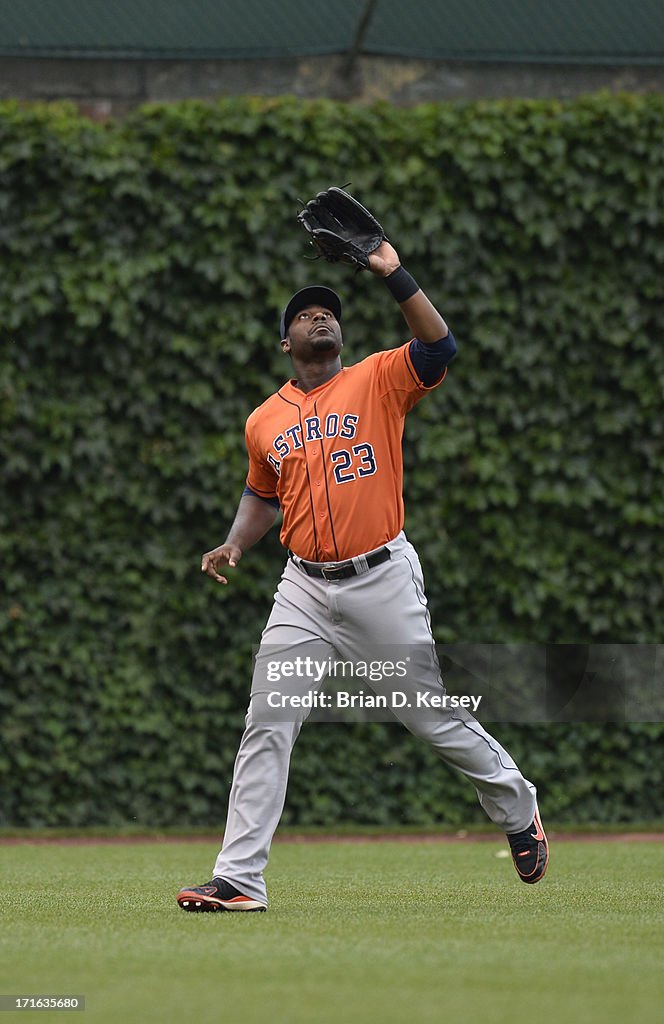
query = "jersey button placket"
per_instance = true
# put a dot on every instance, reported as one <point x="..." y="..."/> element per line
<point x="318" y="489"/>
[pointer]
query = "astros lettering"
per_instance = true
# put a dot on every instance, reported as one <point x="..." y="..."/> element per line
<point x="312" y="429"/>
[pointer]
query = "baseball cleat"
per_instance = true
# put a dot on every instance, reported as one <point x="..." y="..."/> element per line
<point x="216" y="895"/>
<point x="530" y="851"/>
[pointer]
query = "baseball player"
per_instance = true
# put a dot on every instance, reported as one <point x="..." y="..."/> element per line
<point x="326" y="450"/>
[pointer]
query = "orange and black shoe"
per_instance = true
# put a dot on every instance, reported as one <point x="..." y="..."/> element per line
<point x="530" y="851"/>
<point x="216" y="895"/>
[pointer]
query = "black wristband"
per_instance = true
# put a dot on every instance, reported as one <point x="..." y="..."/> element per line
<point x="401" y="284"/>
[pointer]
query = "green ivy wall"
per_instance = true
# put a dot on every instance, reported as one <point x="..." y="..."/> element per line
<point x="144" y="266"/>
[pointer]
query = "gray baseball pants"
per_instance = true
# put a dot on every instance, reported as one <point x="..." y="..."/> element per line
<point x="384" y="606"/>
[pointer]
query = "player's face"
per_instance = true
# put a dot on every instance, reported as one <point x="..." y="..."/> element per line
<point x="312" y="331"/>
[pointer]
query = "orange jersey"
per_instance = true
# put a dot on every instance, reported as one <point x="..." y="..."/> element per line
<point x="333" y="456"/>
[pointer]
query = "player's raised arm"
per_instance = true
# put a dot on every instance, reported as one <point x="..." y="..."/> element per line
<point x="253" y="519"/>
<point x="422" y="317"/>
<point x="342" y="230"/>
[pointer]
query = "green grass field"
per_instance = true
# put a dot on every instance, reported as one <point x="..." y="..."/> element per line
<point x="359" y="932"/>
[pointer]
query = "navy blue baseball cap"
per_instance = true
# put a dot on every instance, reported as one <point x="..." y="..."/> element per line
<point x="314" y="295"/>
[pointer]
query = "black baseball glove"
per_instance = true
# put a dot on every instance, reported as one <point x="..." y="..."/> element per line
<point x="341" y="228"/>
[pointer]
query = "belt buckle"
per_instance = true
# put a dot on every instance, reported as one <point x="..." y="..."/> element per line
<point x="332" y="572"/>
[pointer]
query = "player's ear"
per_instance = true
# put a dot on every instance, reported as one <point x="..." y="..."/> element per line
<point x="285" y="346"/>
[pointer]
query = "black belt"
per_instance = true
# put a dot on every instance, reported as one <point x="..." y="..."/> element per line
<point x="341" y="570"/>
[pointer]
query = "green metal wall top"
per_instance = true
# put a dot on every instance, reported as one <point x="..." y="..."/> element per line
<point x="576" y="31"/>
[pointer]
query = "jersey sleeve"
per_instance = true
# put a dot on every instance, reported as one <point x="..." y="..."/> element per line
<point x="397" y="379"/>
<point x="262" y="478"/>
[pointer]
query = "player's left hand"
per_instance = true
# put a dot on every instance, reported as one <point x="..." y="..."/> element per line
<point x="384" y="259"/>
